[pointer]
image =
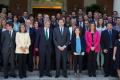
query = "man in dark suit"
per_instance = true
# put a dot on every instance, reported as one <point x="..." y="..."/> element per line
<point x="1" y="58"/>
<point x="40" y="20"/>
<point x="44" y="46"/>
<point x="61" y="39"/>
<point x="53" y="22"/>
<point x="8" y="50"/>
<point x="80" y="22"/>
<point x="108" y="38"/>
<point x="23" y="18"/>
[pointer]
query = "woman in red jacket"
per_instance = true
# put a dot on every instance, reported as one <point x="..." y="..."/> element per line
<point x="92" y="40"/>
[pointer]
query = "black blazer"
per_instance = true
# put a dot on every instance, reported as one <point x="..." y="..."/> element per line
<point x="8" y="42"/>
<point x="105" y="42"/>
<point x="21" y="19"/>
<point x="41" y="42"/>
<point x="73" y="43"/>
<point x="54" y="24"/>
<point x="32" y="36"/>
<point x="0" y="38"/>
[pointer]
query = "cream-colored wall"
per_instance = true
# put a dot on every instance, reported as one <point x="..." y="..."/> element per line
<point x="89" y="2"/>
<point x="5" y="2"/>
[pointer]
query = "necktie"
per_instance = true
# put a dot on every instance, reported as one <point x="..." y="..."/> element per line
<point x="110" y="35"/>
<point x="46" y="34"/>
<point x="10" y="33"/>
<point x="61" y="31"/>
<point x="79" y="24"/>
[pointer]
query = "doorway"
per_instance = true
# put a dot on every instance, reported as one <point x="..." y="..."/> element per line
<point x="48" y="11"/>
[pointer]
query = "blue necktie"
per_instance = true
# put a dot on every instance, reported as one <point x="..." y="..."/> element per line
<point x="110" y="35"/>
<point x="61" y="31"/>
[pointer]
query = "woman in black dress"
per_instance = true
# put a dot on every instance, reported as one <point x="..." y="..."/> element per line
<point x="36" y="53"/>
<point x="116" y="55"/>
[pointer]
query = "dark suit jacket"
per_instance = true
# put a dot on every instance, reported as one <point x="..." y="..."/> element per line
<point x="79" y="24"/>
<point x="42" y="43"/>
<point x="59" y="39"/>
<point x="8" y="43"/>
<point x="32" y="36"/>
<point x="105" y="40"/>
<point x="0" y="38"/>
<point x="41" y="23"/>
<point x="73" y="44"/>
<point x="0" y="47"/>
<point x="21" y="19"/>
<point x="54" y="24"/>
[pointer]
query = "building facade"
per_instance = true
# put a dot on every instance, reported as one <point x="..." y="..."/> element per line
<point x="26" y="5"/>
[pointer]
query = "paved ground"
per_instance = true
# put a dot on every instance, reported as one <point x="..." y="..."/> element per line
<point x="71" y="76"/>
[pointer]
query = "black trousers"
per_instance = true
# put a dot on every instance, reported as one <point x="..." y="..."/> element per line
<point x="109" y="63"/>
<point x="30" y="58"/>
<point x="61" y="57"/>
<point x="45" y="61"/>
<point x="1" y="59"/>
<point x="22" y="67"/>
<point x="77" y="63"/>
<point x="9" y="63"/>
<point x="92" y="63"/>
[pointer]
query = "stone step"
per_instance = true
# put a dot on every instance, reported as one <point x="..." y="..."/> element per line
<point x="83" y="76"/>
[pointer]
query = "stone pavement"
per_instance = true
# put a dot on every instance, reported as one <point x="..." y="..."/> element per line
<point x="35" y="76"/>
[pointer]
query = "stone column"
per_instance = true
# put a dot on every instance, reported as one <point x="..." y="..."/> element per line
<point x="116" y="6"/>
<point x="64" y="6"/>
<point x="29" y="6"/>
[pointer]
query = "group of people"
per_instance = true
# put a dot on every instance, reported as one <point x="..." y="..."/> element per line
<point x="29" y="43"/>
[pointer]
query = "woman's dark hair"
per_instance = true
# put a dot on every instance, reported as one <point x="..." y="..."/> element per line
<point x="22" y="24"/>
<point x="99" y="24"/>
<point x="118" y="36"/>
<point x="79" y="30"/>
<point x="16" y="17"/>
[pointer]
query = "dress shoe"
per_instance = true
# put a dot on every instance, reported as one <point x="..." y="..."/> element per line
<point x="6" y="77"/>
<point x="106" y="75"/>
<point x="49" y="75"/>
<point x="25" y="76"/>
<point x="65" y="76"/>
<point x="30" y="70"/>
<point x="20" y="77"/>
<point x="40" y="76"/>
<point x="57" y="76"/>
<point x="14" y="76"/>
<point x="94" y="75"/>
<point x="90" y="75"/>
